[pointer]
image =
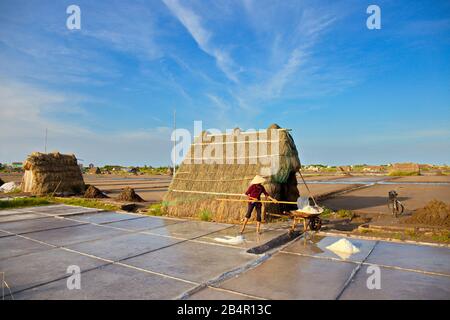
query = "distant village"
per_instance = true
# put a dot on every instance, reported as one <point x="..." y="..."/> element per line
<point x="391" y="169"/>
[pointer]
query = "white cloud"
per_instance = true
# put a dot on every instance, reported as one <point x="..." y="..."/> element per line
<point x="192" y="22"/>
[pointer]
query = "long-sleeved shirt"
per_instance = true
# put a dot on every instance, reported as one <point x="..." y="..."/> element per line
<point x="255" y="191"/>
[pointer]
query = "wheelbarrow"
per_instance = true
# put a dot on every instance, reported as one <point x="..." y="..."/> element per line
<point x="310" y="220"/>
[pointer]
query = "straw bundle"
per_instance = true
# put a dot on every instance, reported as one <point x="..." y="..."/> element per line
<point x="47" y="173"/>
<point x="95" y="170"/>
<point x="199" y="182"/>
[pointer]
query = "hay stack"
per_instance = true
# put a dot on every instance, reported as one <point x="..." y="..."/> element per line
<point x="94" y="193"/>
<point x="196" y="186"/>
<point x="95" y="170"/>
<point x="407" y="168"/>
<point x="47" y="173"/>
<point x="128" y="194"/>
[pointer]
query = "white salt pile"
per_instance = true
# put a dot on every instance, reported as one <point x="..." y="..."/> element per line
<point x="230" y="240"/>
<point x="9" y="187"/>
<point x="311" y="210"/>
<point x="343" y="248"/>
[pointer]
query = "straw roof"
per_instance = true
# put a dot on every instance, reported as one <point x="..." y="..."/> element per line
<point x="47" y="173"/>
<point x="200" y="181"/>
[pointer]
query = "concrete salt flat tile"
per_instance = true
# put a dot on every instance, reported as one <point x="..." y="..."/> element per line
<point x="215" y="294"/>
<point x="21" y="216"/>
<point x="287" y="276"/>
<point x="13" y="211"/>
<point x="75" y="234"/>
<point x="123" y="246"/>
<point x="425" y="258"/>
<point x="190" y="229"/>
<point x="16" y="246"/>
<point x="398" y="285"/>
<point x="41" y="267"/>
<point x="143" y="224"/>
<point x="34" y="225"/>
<point x="192" y="261"/>
<point x="4" y="234"/>
<point x="251" y="238"/>
<point x="316" y="246"/>
<point x="72" y="212"/>
<point x="105" y="217"/>
<point x="111" y="282"/>
<point x="62" y="210"/>
<point x="47" y="208"/>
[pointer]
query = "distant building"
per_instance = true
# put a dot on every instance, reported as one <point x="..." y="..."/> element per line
<point x="17" y="165"/>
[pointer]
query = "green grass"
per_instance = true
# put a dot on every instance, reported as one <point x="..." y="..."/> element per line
<point x="88" y="203"/>
<point x="156" y="209"/>
<point x="327" y="213"/>
<point x="345" y="214"/>
<point x="41" y="201"/>
<point x="205" y="215"/>
<point x="23" y="202"/>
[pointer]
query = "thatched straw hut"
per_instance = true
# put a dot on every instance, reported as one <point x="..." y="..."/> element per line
<point x="222" y="166"/>
<point x="48" y="173"/>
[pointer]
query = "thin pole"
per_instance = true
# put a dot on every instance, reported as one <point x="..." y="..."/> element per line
<point x="174" y="140"/>
<point x="45" y="140"/>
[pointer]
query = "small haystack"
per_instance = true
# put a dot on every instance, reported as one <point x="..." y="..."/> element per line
<point x="48" y="173"/>
<point x="95" y="170"/>
<point x="94" y="193"/>
<point x="199" y="182"/>
<point x="435" y="213"/>
<point x="405" y="168"/>
<point x="128" y="194"/>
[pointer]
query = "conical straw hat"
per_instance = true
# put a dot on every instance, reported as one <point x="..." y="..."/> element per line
<point x="258" y="179"/>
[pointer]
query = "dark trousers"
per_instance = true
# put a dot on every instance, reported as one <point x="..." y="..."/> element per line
<point x="257" y="206"/>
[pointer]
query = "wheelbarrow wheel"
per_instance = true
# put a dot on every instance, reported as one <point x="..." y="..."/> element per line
<point x="315" y="224"/>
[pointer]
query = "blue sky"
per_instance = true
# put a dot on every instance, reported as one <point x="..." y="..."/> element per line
<point x="107" y="92"/>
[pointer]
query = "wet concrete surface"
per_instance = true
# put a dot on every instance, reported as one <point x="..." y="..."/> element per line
<point x="111" y="282"/>
<point x="162" y="258"/>
<point x="20" y="216"/>
<point x="27" y="271"/>
<point x="123" y="246"/>
<point x="189" y="229"/>
<point x="13" y="212"/>
<point x="4" y="234"/>
<point x="423" y="258"/>
<point x="72" y="235"/>
<point x="218" y="294"/>
<point x="192" y="261"/>
<point x="287" y="276"/>
<point x="15" y="246"/>
<point x="397" y="284"/>
<point x="307" y="270"/>
<point x="145" y="223"/>
<point x="104" y="217"/>
<point x="250" y="237"/>
<point x="33" y="225"/>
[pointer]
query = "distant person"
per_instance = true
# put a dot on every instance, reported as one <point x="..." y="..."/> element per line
<point x="254" y="193"/>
